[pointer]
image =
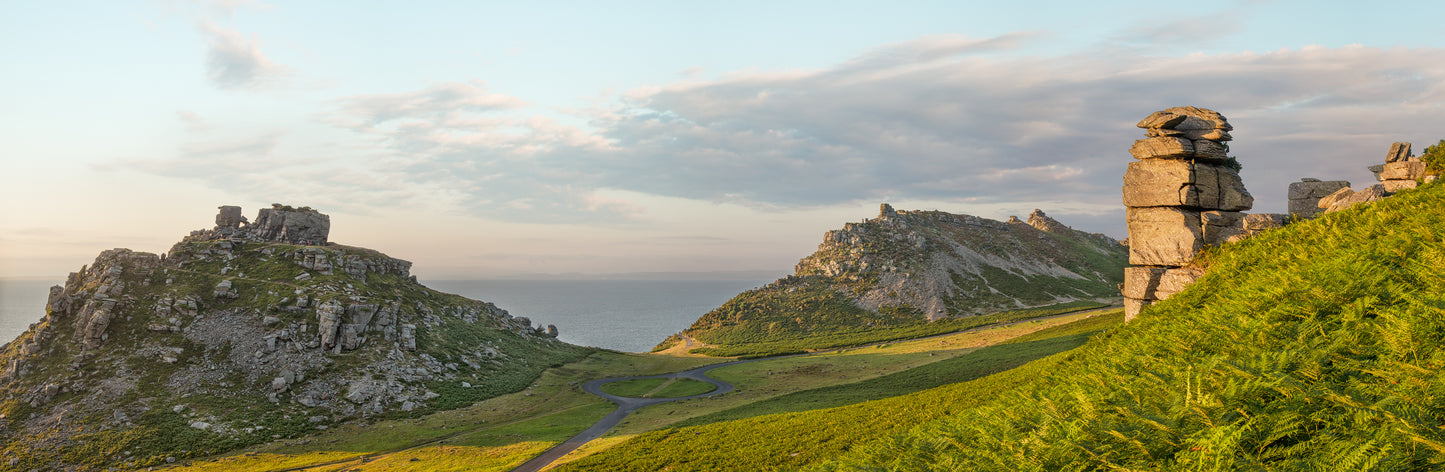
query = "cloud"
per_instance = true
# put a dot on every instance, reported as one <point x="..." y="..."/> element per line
<point x="941" y="118"/>
<point x="234" y="61"/>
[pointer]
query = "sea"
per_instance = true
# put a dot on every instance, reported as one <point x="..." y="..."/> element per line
<point x="622" y="315"/>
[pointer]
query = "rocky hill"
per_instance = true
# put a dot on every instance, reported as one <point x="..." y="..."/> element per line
<point x="909" y="267"/>
<point x="246" y="333"/>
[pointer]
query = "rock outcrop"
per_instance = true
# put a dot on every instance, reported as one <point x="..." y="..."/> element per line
<point x="280" y="223"/>
<point x="224" y="331"/>
<point x="1182" y="193"/>
<point x="1402" y="170"/>
<point x="1305" y="195"/>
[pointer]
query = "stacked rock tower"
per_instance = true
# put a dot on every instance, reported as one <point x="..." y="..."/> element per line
<point x="1181" y="194"/>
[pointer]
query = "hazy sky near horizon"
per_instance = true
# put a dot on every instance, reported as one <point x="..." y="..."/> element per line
<point x="483" y="139"/>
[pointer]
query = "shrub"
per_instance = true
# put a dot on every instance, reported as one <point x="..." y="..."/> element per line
<point x="1434" y="158"/>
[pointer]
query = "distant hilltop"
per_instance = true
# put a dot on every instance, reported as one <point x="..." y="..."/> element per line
<point x="906" y="268"/>
<point x="241" y="334"/>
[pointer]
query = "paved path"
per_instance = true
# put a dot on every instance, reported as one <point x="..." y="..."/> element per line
<point x="625" y="406"/>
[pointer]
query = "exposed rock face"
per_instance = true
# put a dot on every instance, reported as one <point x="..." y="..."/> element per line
<point x="202" y="337"/>
<point x="1305" y="195"/>
<point x="279" y="223"/>
<point x="1181" y="195"/>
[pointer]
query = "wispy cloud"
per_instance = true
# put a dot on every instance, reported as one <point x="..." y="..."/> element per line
<point x="234" y="61"/>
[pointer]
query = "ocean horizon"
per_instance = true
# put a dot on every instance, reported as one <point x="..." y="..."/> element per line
<point x="627" y="314"/>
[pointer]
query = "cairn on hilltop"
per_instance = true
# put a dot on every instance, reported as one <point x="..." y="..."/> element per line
<point x="1183" y="192"/>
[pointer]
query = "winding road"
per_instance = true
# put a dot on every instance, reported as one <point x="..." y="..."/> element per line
<point x="625" y="406"/>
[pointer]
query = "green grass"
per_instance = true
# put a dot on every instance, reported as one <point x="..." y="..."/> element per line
<point x="791" y="440"/>
<point x="863" y="334"/>
<point x="633" y="388"/>
<point x="682" y="388"/>
<point x="1313" y="347"/>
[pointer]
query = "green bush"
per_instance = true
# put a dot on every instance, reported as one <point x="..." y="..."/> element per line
<point x="1434" y="158"/>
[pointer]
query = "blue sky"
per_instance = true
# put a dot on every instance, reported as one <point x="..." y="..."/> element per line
<point x="494" y="139"/>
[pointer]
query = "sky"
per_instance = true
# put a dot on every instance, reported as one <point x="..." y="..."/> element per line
<point x="520" y="139"/>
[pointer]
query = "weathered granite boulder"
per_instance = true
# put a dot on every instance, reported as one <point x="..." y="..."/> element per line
<point x="1162" y="148"/>
<point x="1398" y="152"/>
<point x="1342" y="201"/>
<point x="1403" y="170"/>
<point x="1305" y="195"/>
<point x="1163" y="236"/>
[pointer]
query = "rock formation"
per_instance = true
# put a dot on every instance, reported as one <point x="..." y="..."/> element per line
<point x="238" y="330"/>
<point x="1402" y="170"/>
<point x="1182" y="193"/>
<point x="1305" y="195"/>
<point x="280" y="223"/>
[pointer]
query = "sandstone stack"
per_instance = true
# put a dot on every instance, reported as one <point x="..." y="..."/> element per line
<point x="1182" y="194"/>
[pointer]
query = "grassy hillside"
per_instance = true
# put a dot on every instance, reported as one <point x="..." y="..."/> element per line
<point x="1314" y="347"/>
<point x="176" y="371"/>
<point x="815" y="425"/>
<point x="912" y="273"/>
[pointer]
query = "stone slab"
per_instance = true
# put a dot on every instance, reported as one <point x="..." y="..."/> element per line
<point x="1403" y="170"/>
<point x="1162" y="148"/>
<point x="1163" y="236"/>
<point x="1160" y="183"/>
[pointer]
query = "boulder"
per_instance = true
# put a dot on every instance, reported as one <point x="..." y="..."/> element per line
<point x="1206" y="150"/>
<point x="1163" y="236"/>
<point x="1200" y="118"/>
<point x="1403" y="170"/>
<point x="229" y="217"/>
<point x="1159" y="183"/>
<point x="1304" y="196"/>
<point x="1162" y="148"/>
<point x="1398" y="152"/>
<point x="1329" y="200"/>
<point x="329" y="321"/>
<point x="1161" y="119"/>
<point x="1393" y="186"/>
<point x="1370" y="194"/>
